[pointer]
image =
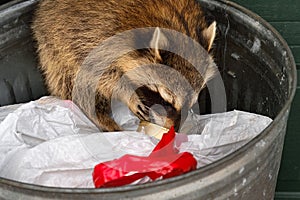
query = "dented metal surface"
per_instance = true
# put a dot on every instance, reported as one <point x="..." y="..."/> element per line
<point x="14" y="22"/>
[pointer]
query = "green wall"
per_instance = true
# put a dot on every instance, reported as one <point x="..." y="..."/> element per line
<point x="284" y="15"/>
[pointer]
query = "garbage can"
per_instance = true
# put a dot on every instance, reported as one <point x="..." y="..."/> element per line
<point x="259" y="75"/>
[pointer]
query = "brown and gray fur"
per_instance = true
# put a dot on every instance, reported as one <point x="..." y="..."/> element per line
<point x="66" y="32"/>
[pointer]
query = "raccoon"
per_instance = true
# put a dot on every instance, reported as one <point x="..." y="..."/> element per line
<point x="68" y="31"/>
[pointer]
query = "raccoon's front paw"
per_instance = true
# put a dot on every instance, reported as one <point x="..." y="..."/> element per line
<point x="142" y="112"/>
<point x="139" y="109"/>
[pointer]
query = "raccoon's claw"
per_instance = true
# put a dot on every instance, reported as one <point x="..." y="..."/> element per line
<point x="142" y="108"/>
<point x="141" y="112"/>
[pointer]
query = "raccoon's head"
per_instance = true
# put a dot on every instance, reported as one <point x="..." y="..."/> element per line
<point x="167" y="85"/>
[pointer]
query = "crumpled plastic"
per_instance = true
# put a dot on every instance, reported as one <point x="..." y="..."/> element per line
<point x="164" y="162"/>
<point x="50" y="142"/>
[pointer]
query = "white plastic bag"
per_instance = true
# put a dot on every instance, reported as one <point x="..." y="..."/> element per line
<point x="50" y="142"/>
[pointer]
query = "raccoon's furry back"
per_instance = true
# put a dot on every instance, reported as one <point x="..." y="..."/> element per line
<point x="68" y="30"/>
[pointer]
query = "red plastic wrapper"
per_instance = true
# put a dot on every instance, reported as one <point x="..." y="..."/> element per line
<point x="164" y="162"/>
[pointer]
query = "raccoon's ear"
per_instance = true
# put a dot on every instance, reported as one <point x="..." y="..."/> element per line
<point x="209" y="34"/>
<point x="158" y="41"/>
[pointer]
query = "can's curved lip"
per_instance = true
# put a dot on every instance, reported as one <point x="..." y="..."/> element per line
<point x="198" y="172"/>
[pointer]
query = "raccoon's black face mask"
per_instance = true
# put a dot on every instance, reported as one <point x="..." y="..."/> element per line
<point x="157" y="110"/>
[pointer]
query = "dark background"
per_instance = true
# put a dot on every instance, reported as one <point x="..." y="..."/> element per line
<point x="4" y="1"/>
